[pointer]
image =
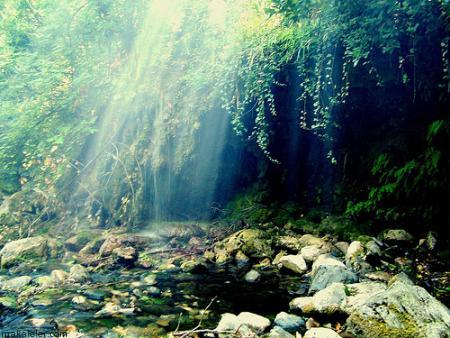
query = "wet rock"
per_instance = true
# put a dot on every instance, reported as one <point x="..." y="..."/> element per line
<point x="342" y="246"/>
<point x="252" y="276"/>
<point x="111" y="309"/>
<point x="59" y="276"/>
<point x="289" y="322"/>
<point x="321" y="332"/>
<point x="402" y="310"/>
<point x="125" y="255"/>
<point x="241" y="259"/>
<point x="197" y="265"/>
<point x="77" y="242"/>
<point x="397" y="236"/>
<point x="253" y="321"/>
<point x="253" y="243"/>
<point x="328" y="274"/>
<point x="278" y="332"/>
<point x="45" y="282"/>
<point x="92" y="247"/>
<point x="78" y="274"/>
<point x="326" y="260"/>
<point x="8" y="302"/>
<point x="295" y="263"/>
<point x="354" y="250"/>
<point x="150" y="279"/>
<point x="16" y="284"/>
<point x="311" y="252"/>
<point x="111" y="242"/>
<point x="327" y="301"/>
<point x="23" y="249"/>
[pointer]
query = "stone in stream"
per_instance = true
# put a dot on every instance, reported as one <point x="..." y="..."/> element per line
<point x="125" y="255"/>
<point x="289" y="322"/>
<point x="241" y="259"/>
<point x="59" y="276"/>
<point x="402" y="310"/>
<point x="44" y="282"/>
<point x="295" y="263"/>
<point x="23" y="249"/>
<point x="321" y="332"/>
<point x="78" y="274"/>
<point x="16" y="284"/>
<point x="328" y="274"/>
<point x="278" y="332"/>
<point x="252" y="276"/>
<point x="325" y="259"/>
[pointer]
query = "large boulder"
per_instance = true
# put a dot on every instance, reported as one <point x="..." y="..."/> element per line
<point x="327" y="301"/>
<point x="252" y="243"/>
<point x="22" y="250"/>
<point x="402" y="310"/>
<point x="329" y="274"/>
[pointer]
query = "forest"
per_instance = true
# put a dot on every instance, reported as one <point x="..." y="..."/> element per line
<point x="224" y="168"/>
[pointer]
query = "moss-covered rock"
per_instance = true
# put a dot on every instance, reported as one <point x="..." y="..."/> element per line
<point x="21" y="250"/>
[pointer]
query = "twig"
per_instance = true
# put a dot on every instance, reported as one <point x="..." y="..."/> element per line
<point x="185" y="334"/>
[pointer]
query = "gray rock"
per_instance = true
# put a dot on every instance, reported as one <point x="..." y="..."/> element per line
<point x="321" y="332"/>
<point x="402" y="310"/>
<point x="59" y="276"/>
<point x="295" y="263"/>
<point x="373" y="249"/>
<point x="311" y="252"/>
<point x="342" y="246"/>
<point x="255" y="322"/>
<point x="16" y="284"/>
<point x="354" y="250"/>
<point x="23" y="249"/>
<point x="328" y="274"/>
<point x="325" y="259"/>
<point x="278" y="332"/>
<point x="289" y="322"/>
<point x="252" y="276"/>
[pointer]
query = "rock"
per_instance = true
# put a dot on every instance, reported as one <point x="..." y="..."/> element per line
<point x="125" y="255"/>
<point x="278" y="256"/>
<point x="16" y="284"/>
<point x="252" y="276"/>
<point x="402" y="310"/>
<point x="77" y="242"/>
<point x="253" y="321"/>
<point x="222" y="257"/>
<point x="22" y="250"/>
<point x="150" y="279"/>
<point x="8" y="302"/>
<point x="373" y="248"/>
<point x="325" y="259"/>
<point x="354" y="250"/>
<point x="308" y="239"/>
<point x="197" y="265"/>
<point x="79" y="300"/>
<point x="402" y="277"/>
<point x="295" y="263"/>
<point x="342" y="246"/>
<point x="45" y="282"/>
<point x="381" y="276"/>
<point x="327" y="301"/>
<point x="311" y="322"/>
<point x="321" y="332"/>
<point x="111" y="242"/>
<point x="153" y="291"/>
<point x="111" y="309"/>
<point x="358" y="293"/>
<point x="328" y="274"/>
<point x="289" y="322"/>
<point x="78" y="274"/>
<point x="241" y="259"/>
<point x="311" y="252"/>
<point x="59" y="276"/>
<point x="397" y="236"/>
<point x="289" y="243"/>
<point x="253" y="243"/>
<point x="228" y="322"/>
<point x="278" y="332"/>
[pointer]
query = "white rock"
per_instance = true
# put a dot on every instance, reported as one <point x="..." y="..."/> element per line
<point x="311" y="252"/>
<point x="329" y="300"/>
<point x="228" y="322"/>
<point x="278" y="332"/>
<point x="355" y="249"/>
<point x="325" y="259"/>
<point x="295" y="263"/>
<point x="254" y="321"/>
<point x="252" y="276"/>
<point x="321" y="332"/>
<point x="360" y="292"/>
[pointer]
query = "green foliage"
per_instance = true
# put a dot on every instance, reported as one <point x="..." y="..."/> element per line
<point x="410" y="189"/>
